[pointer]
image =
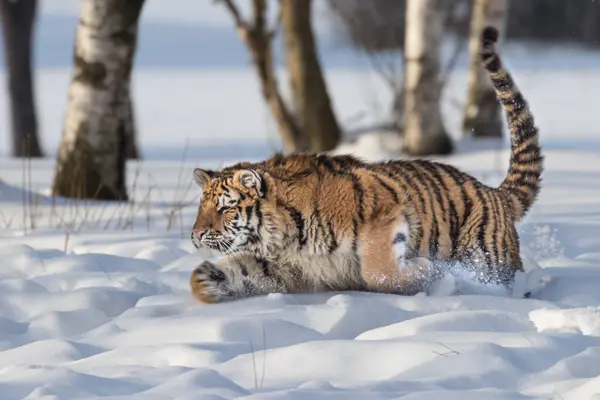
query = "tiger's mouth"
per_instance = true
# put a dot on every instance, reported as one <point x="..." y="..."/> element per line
<point x="225" y="244"/>
<point x="221" y="244"/>
<point x="195" y="241"/>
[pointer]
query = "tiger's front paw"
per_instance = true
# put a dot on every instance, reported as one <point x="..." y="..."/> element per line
<point x="209" y="284"/>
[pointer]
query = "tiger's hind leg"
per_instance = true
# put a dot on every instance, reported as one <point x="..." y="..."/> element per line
<point x="384" y="265"/>
<point x="489" y="250"/>
<point x="233" y="277"/>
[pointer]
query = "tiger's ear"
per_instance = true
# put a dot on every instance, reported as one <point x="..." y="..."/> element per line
<point x="202" y="176"/>
<point x="249" y="178"/>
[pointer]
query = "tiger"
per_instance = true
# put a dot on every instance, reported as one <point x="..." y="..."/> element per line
<point x="316" y="222"/>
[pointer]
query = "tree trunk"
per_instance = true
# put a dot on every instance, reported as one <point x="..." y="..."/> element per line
<point x="127" y="127"/>
<point x="591" y="23"/>
<point x="424" y="131"/>
<point x="483" y="114"/>
<point x="18" y="20"/>
<point x="309" y="92"/>
<point x="92" y="154"/>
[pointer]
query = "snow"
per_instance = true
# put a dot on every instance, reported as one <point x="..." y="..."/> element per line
<point x="95" y="299"/>
<point x="101" y="308"/>
<point x="121" y="323"/>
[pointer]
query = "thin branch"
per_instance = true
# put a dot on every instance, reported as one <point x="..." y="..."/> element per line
<point x="445" y="76"/>
<point x="240" y="25"/>
<point x="235" y="13"/>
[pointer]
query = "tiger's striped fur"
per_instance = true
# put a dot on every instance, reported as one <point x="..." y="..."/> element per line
<point x="522" y="183"/>
<point x="323" y="222"/>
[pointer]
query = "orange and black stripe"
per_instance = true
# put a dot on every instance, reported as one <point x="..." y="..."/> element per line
<point x="522" y="182"/>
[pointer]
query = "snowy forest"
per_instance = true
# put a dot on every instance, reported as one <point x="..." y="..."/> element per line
<point x="109" y="106"/>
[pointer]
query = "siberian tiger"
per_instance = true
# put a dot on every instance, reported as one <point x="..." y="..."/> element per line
<point x="306" y="222"/>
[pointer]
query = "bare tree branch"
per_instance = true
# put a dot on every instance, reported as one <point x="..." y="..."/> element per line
<point x="240" y="24"/>
<point x="235" y="12"/>
<point x="452" y="62"/>
<point x="257" y="38"/>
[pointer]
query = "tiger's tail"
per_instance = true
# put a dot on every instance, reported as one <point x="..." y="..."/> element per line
<point x="521" y="185"/>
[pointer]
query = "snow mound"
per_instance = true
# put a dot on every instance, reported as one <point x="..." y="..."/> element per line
<point x="101" y="324"/>
<point x="585" y="321"/>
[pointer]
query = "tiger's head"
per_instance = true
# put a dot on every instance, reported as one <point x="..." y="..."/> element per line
<point x="233" y="207"/>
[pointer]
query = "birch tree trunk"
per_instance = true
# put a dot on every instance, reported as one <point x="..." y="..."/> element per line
<point x="483" y="114"/>
<point x="424" y="131"/>
<point x="91" y="159"/>
<point x="18" y="20"/>
<point x="128" y="127"/>
<point x="309" y="92"/>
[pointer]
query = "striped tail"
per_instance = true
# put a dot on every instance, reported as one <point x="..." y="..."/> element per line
<point x="522" y="182"/>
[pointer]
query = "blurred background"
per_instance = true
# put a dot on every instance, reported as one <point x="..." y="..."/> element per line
<point x="90" y="84"/>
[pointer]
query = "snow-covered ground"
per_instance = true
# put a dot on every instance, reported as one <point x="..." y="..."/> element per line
<point x="95" y="302"/>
